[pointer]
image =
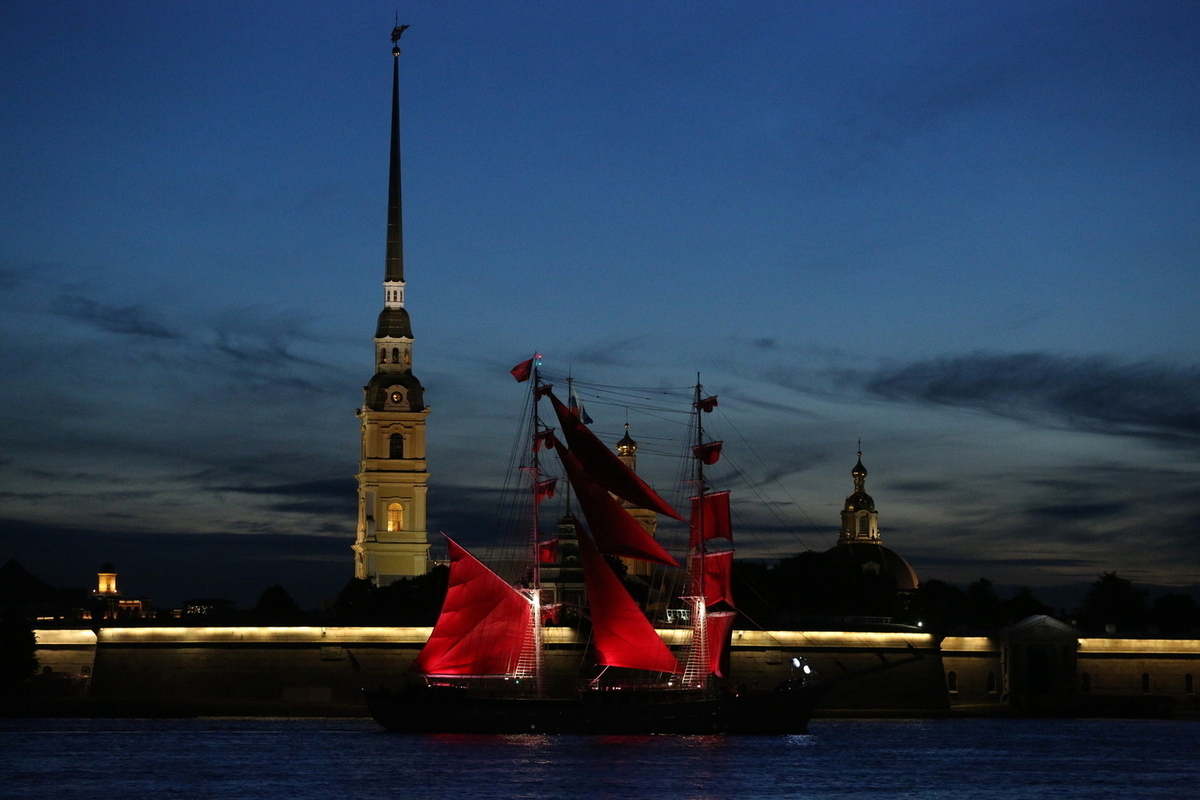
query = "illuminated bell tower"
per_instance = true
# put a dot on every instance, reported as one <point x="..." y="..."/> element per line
<point x="391" y="540"/>
<point x="860" y="520"/>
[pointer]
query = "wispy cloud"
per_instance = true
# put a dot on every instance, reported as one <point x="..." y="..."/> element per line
<point x="1096" y="394"/>
<point x="126" y="320"/>
<point x="334" y="496"/>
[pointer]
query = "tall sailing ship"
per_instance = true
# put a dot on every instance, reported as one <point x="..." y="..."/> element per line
<point x="483" y="669"/>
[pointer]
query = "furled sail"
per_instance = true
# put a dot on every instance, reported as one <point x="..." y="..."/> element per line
<point x="604" y="467"/>
<point x="483" y="624"/>
<point x="623" y="635"/>
<point x="616" y="533"/>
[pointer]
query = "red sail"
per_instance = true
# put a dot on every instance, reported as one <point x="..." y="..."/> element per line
<point x="720" y="631"/>
<point x="604" y="467"/>
<point x="709" y="452"/>
<point x="617" y="533"/>
<point x="624" y="637"/>
<point x="710" y="518"/>
<point x="718" y="573"/>
<point x="482" y="626"/>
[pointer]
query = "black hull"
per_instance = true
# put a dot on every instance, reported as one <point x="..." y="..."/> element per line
<point x="439" y="709"/>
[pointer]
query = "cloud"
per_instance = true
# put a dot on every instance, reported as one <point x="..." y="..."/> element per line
<point x="1095" y="394"/>
<point x="1079" y="511"/>
<point x="125" y="320"/>
<point x="333" y="496"/>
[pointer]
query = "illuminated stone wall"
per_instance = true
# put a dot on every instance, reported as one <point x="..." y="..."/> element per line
<point x="312" y="669"/>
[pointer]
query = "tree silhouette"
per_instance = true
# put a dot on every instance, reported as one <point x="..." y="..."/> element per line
<point x="18" y="650"/>
<point x="1112" y="600"/>
<point x="1176" y="613"/>
<point x="276" y="606"/>
<point x="408" y="601"/>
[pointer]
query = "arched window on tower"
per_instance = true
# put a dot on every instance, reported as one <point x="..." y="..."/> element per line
<point x="952" y="682"/>
<point x="395" y="355"/>
<point x="991" y="683"/>
<point x="383" y="355"/>
<point x="864" y="523"/>
<point x="396" y="446"/>
<point x="395" y="517"/>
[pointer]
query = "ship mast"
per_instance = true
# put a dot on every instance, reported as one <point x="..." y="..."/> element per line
<point x="695" y="673"/>
<point x="533" y="659"/>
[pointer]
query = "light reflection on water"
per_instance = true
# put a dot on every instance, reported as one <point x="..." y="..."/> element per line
<point x="303" y="758"/>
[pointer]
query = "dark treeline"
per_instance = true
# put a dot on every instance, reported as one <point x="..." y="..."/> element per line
<point x="803" y="589"/>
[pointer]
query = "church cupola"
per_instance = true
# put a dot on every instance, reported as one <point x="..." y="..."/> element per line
<point x="860" y="521"/>
<point x="627" y="450"/>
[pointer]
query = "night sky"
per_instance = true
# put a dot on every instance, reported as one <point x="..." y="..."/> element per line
<point x="967" y="233"/>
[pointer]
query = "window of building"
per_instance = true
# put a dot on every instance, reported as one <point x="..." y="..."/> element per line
<point x="862" y="525"/>
<point x="991" y="683"/>
<point x="395" y="355"/>
<point x="952" y="682"/>
<point x="1188" y="687"/>
<point x="1145" y="683"/>
<point x="1085" y="682"/>
<point x="395" y="517"/>
<point x="383" y="355"/>
<point x="396" y="446"/>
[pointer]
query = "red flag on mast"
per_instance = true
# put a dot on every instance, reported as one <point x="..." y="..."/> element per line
<point x="523" y="370"/>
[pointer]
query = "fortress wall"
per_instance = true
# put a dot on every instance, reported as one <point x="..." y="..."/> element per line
<point x="972" y="659"/>
<point x="301" y="666"/>
<point x="764" y="657"/>
<point x="306" y="668"/>
<point x="312" y="669"/>
<point x="1115" y="666"/>
<point x="69" y="651"/>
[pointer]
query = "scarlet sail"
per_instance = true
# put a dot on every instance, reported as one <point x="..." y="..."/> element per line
<point x="720" y="631"/>
<point x="710" y="518"/>
<point x="623" y="635"/>
<point x="604" y="467"/>
<point x="616" y="532"/>
<point x="483" y="623"/>
<point x="718" y="569"/>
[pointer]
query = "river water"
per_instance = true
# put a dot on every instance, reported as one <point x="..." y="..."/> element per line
<point x="292" y="759"/>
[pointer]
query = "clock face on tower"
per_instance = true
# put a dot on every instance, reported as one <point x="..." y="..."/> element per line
<point x="397" y="397"/>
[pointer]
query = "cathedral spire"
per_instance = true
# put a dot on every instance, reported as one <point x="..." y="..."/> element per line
<point x="394" y="268"/>
<point x="391" y="540"/>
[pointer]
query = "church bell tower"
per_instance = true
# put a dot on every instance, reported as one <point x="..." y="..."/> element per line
<point x="391" y="540"/>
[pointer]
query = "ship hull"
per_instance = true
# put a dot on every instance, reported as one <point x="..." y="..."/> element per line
<point x="442" y="709"/>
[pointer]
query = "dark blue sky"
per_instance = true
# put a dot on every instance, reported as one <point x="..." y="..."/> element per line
<point x="967" y="233"/>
